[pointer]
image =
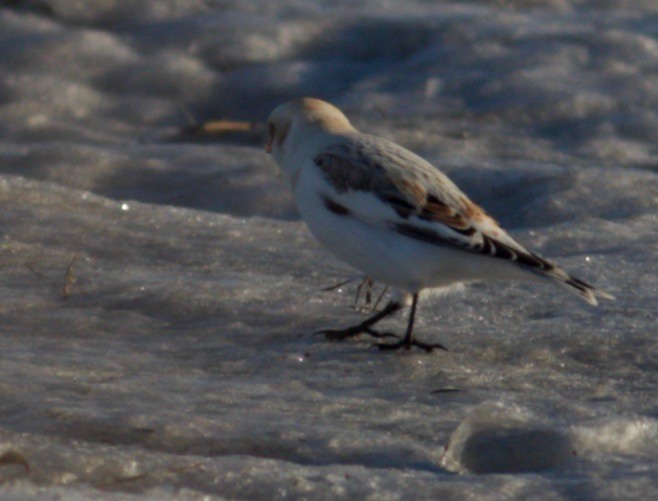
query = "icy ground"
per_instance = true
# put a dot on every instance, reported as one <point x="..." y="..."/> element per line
<point x="159" y="292"/>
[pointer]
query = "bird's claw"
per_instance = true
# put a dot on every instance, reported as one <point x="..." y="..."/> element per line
<point x="339" y="334"/>
<point x="378" y="334"/>
<point x="427" y="347"/>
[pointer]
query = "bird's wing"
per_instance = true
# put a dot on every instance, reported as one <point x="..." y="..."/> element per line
<point x="414" y="199"/>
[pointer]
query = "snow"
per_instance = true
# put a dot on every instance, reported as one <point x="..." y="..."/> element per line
<point x="160" y="293"/>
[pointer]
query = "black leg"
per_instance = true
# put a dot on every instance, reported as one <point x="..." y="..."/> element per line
<point x="366" y="282"/>
<point x="408" y="341"/>
<point x="365" y="326"/>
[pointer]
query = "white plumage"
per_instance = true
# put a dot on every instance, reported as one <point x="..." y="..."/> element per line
<point x="392" y="215"/>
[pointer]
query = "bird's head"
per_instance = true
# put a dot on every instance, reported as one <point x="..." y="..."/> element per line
<point x="295" y="122"/>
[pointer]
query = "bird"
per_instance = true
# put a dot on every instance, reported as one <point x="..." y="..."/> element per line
<point x="394" y="217"/>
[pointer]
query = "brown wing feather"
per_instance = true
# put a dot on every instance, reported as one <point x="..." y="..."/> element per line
<point x="357" y="167"/>
<point x="403" y="185"/>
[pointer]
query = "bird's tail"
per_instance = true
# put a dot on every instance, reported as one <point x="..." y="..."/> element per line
<point x="586" y="291"/>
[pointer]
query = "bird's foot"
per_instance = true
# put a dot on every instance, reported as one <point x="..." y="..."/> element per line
<point x="365" y="327"/>
<point x="407" y="344"/>
<point x="378" y="334"/>
<point x="340" y="334"/>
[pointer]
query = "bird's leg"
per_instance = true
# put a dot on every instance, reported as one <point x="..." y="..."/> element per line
<point x="381" y="296"/>
<point x="369" y="292"/>
<point x="366" y="282"/>
<point x="365" y="327"/>
<point x="408" y="341"/>
<point x="333" y="287"/>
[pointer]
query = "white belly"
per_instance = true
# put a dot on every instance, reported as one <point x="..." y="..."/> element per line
<point x="387" y="256"/>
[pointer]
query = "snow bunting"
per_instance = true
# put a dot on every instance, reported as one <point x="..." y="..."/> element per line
<point x="394" y="216"/>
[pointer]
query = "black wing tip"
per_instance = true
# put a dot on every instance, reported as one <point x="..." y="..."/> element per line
<point x="532" y="262"/>
<point x="579" y="287"/>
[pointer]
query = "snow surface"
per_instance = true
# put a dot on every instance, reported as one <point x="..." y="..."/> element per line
<point x="160" y="293"/>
